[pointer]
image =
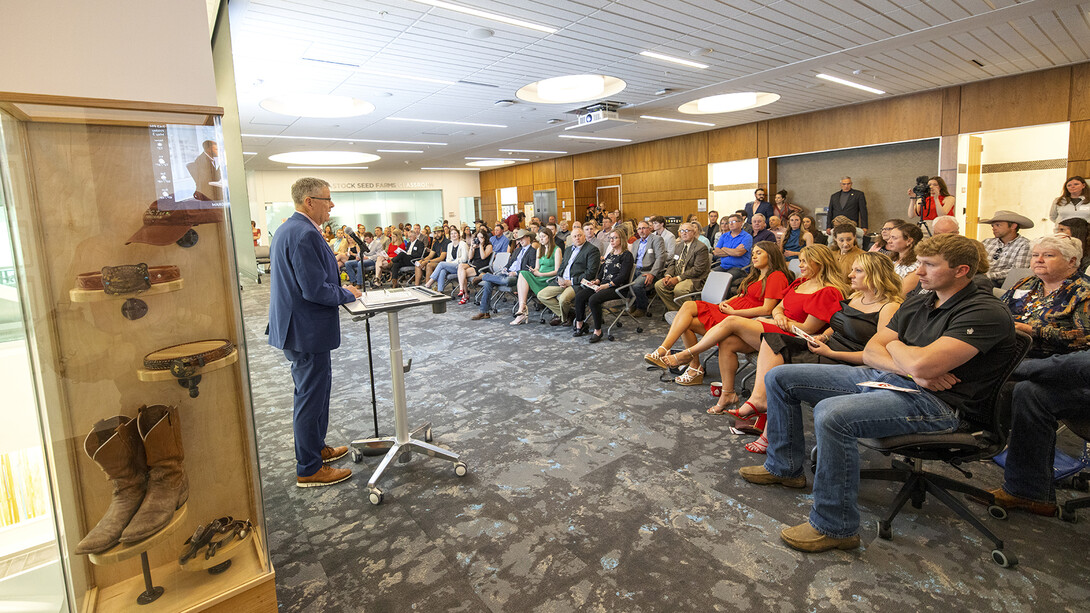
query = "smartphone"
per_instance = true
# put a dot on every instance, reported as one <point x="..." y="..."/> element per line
<point x="799" y="332"/>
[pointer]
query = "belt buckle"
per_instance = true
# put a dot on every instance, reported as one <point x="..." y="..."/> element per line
<point x="125" y="279"/>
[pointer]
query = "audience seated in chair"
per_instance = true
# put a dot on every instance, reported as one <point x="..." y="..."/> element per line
<point x="456" y="253"/>
<point x="650" y="256"/>
<point x="615" y="271"/>
<point x="548" y="259"/>
<point x="433" y="256"/>
<point x="952" y="344"/>
<point x="480" y="254"/>
<point x="847" y="247"/>
<point x="523" y="259"/>
<point x="876" y="296"/>
<point x="809" y="303"/>
<point x="686" y="271"/>
<point x="581" y="261"/>
<point x="367" y="261"/>
<point x="758" y="294"/>
<point x="732" y="249"/>
<point x="404" y="260"/>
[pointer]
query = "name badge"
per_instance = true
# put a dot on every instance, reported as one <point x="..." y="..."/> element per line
<point x="677" y="257"/>
<point x="1019" y="293"/>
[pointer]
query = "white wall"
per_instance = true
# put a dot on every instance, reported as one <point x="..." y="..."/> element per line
<point x="268" y="186"/>
<point x="148" y="50"/>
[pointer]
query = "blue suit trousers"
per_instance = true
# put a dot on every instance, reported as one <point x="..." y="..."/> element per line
<point x="313" y="377"/>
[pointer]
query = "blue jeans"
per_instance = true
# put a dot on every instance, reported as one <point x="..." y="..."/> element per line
<point x="843" y="412"/>
<point x="639" y="293"/>
<point x="354" y="269"/>
<point x="441" y="272"/>
<point x="488" y="281"/>
<point x="1054" y="388"/>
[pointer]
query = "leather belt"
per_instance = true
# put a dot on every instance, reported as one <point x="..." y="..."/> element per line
<point x="204" y="352"/>
<point x="127" y="279"/>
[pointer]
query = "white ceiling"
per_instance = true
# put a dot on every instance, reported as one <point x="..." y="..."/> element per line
<point x="312" y="46"/>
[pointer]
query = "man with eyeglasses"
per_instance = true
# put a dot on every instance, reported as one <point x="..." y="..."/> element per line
<point x="687" y="271"/>
<point x="1008" y="250"/>
<point x="581" y="261"/>
<point x="522" y="258"/>
<point x="649" y="255"/>
<point x="305" y="292"/>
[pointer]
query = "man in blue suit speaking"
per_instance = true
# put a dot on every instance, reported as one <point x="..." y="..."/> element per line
<point x="304" y="322"/>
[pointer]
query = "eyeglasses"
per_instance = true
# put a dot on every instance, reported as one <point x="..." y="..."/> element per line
<point x="319" y="198"/>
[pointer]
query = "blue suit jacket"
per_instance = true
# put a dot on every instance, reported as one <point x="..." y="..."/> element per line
<point x="305" y="289"/>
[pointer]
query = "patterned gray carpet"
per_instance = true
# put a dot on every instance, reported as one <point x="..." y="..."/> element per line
<point x="593" y="487"/>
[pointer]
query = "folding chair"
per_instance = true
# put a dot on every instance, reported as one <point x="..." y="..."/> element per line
<point x="626" y="300"/>
<point x="1013" y="277"/>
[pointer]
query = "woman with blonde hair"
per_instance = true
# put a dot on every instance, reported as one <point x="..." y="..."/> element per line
<point x="809" y="303"/>
<point x="876" y="296"/>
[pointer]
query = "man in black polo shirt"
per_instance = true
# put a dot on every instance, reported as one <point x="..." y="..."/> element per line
<point x="949" y="344"/>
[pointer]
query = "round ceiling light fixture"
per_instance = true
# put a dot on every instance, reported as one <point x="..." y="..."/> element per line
<point x="728" y="103"/>
<point x="571" y="88"/>
<point x="489" y="163"/>
<point x="316" y="105"/>
<point x="323" y="158"/>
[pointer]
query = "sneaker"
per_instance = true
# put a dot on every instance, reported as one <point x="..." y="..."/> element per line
<point x="326" y="475"/>
<point x="480" y="316"/>
<point x="332" y="454"/>
<point x="760" y="476"/>
<point x="805" y="537"/>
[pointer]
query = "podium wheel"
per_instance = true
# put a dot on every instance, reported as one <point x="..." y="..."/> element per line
<point x="375" y="497"/>
<point x="357" y="456"/>
<point x="461" y="469"/>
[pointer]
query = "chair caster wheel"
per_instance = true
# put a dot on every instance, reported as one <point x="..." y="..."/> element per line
<point x="884" y="530"/>
<point x="427" y="435"/>
<point x="357" y="456"/>
<point x="1070" y="517"/>
<point x="639" y="330"/>
<point x="612" y="338"/>
<point x="461" y="469"/>
<point x="375" y="496"/>
<point x="1004" y="560"/>
<point x="997" y="512"/>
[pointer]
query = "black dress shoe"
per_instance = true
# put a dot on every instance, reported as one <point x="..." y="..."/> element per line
<point x="556" y="321"/>
<point x="579" y="332"/>
<point x="595" y="338"/>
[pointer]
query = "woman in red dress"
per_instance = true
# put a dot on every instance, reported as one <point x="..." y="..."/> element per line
<point x="808" y="303"/>
<point x="758" y="294"/>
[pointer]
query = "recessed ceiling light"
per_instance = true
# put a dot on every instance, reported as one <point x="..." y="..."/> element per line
<point x="850" y="84"/>
<point x="676" y="60"/>
<point x="323" y="157"/>
<point x="316" y="105"/>
<point x="453" y="123"/>
<point x="480" y="33"/>
<point x="399" y="151"/>
<point x="437" y="168"/>
<point x="333" y="167"/>
<point x="727" y="103"/>
<point x="619" y="140"/>
<point x="571" y="88"/>
<point x="510" y="158"/>
<point x="490" y="163"/>
<point x="531" y="151"/>
<point x="486" y="15"/>
<point x="344" y="140"/>
<point x="695" y="123"/>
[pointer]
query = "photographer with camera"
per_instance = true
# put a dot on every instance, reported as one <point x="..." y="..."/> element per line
<point x="929" y="199"/>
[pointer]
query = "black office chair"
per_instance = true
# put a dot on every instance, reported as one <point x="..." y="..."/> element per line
<point x="956" y="449"/>
<point x="1069" y="509"/>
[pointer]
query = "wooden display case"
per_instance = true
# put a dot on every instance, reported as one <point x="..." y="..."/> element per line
<point x="79" y="176"/>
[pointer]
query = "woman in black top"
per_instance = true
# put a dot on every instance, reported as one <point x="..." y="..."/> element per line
<point x="876" y="296"/>
<point x="615" y="271"/>
<point x="480" y="252"/>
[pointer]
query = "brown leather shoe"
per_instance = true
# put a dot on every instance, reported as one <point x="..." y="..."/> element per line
<point x="1009" y="501"/>
<point x="805" y="537"/>
<point x="638" y="312"/>
<point x="480" y="316"/>
<point x="759" y="476"/>
<point x="555" y="321"/>
<point x="332" y="454"/>
<point x="326" y="475"/>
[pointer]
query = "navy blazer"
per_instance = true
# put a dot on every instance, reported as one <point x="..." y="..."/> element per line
<point x="855" y="209"/>
<point x="305" y="289"/>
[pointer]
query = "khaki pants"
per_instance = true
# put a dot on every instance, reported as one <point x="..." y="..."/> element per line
<point x="682" y="288"/>
<point x="557" y="299"/>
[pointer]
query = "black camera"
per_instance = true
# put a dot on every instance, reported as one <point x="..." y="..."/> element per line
<point x="921" y="189"/>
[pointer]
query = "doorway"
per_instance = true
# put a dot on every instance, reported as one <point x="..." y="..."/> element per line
<point x="544" y="204"/>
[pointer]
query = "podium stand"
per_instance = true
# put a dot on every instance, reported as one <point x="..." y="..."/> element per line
<point x="402" y="444"/>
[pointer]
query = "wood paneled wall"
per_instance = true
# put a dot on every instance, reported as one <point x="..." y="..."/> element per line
<point x="669" y="175"/>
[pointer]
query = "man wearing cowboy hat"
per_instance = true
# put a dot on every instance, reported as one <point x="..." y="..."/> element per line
<point x="1007" y="250"/>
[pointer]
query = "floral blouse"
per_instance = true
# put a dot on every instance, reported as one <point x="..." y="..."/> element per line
<point x="1060" y="320"/>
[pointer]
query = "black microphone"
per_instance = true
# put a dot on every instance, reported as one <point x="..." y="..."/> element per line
<point x="356" y="237"/>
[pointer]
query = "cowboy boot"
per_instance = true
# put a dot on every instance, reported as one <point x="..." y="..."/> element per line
<point x="168" y="487"/>
<point x="114" y="444"/>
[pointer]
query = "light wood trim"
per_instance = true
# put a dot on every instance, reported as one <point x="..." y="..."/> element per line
<point x="1078" y="147"/>
<point x="733" y="143"/>
<point x="107" y="103"/>
<point x="1080" y="92"/>
<point x="14" y="111"/>
<point x="951" y="111"/>
<point x="544" y="171"/>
